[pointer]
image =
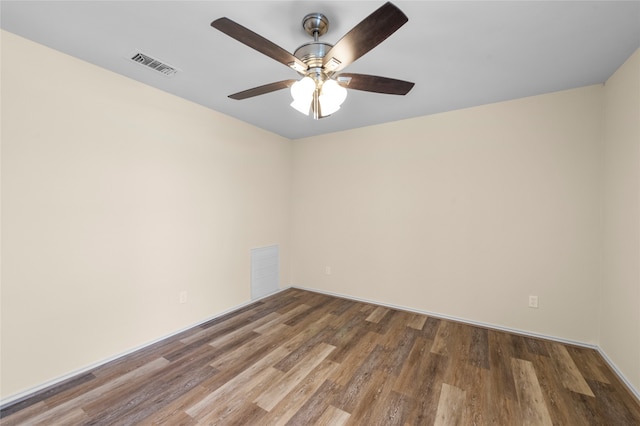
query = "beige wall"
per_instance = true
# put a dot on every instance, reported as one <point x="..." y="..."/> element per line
<point x="620" y="300"/>
<point x="465" y="213"/>
<point x="116" y="197"/>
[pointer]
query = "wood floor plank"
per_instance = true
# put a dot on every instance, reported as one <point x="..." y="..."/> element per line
<point x="430" y="328"/>
<point x="73" y="417"/>
<point x="479" y="348"/>
<point x="501" y="411"/>
<point x="233" y="320"/>
<point x="342" y="306"/>
<point x="303" y="358"/>
<point x="300" y="309"/>
<point x="249" y="379"/>
<point x="314" y="313"/>
<point x="242" y="312"/>
<point x="234" y="404"/>
<point x="24" y="414"/>
<point x="200" y="345"/>
<point x="174" y="413"/>
<point x="475" y="384"/>
<point x="168" y="385"/>
<point x="243" y="413"/>
<point x="486" y="405"/>
<point x="354" y="359"/>
<point x="567" y="370"/>
<point x="179" y="418"/>
<point x="518" y="347"/>
<point x="289" y="380"/>
<point x="457" y="352"/>
<point x="377" y="314"/>
<point x="255" y="346"/>
<point x="500" y="355"/>
<point x="590" y="364"/>
<point x="394" y="412"/>
<point x="333" y="416"/>
<point x="348" y="333"/>
<point x="282" y="302"/>
<point x="562" y="408"/>
<point x="588" y="409"/>
<point x="314" y="407"/>
<point x="301" y="351"/>
<point x="426" y="389"/>
<point x="621" y="411"/>
<point x="412" y="367"/>
<point x="291" y="403"/>
<point x="272" y="318"/>
<point x="532" y="405"/>
<point x="450" y="406"/>
<point x="367" y="308"/>
<point x="375" y="396"/>
<point x="536" y="346"/>
<point x="359" y="382"/>
<point x="442" y="339"/>
<point x="417" y="321"/>
<point x="385" y="322"/>
<point x="398" y="342"/>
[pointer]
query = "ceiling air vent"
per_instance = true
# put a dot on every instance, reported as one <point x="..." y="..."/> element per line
<point x="154" y="64"/>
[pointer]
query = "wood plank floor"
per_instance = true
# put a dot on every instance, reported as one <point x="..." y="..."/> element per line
<point x="301" y="358"/>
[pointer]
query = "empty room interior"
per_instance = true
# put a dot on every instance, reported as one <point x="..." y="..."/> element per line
<point x="473" y="261"/>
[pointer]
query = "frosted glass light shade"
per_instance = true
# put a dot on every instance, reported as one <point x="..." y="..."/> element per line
<point x="303" y="88"/>
<point x="302" y="105"/>
<point x="302" y="93"/>
<point x="332" y="91"/>
<point x="331" y="97"/>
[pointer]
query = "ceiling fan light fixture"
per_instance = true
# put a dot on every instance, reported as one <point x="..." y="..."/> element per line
<point x="302" y="94"/>
<point x="331" y="97"/>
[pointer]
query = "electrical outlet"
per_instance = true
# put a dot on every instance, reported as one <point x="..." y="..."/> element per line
<point x="327" y="270"/>
<point x="183" y="297"/>
<point x="533" y="301"/>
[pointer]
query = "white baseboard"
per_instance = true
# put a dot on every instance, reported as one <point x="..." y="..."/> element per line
<point x="616" y="370"/>
<point x="18" y="397"/>
<point x="608" y="360"/>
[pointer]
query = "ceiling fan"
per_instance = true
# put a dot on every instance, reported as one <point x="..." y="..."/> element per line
<point x="323" y="88"/>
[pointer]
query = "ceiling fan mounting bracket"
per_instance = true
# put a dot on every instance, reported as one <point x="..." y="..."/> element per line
<point x="315" y="24"/>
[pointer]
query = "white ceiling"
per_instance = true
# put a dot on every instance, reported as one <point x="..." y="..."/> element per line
<point x="459" y="54"/>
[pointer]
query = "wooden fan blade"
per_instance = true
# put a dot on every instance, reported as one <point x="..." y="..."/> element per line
<point x="261" y="90"/>
<point x="257" y="42"/>
<point x="369" y="33"/>
<point x="374" y="83"/>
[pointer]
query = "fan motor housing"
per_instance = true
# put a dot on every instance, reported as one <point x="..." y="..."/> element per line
<point x="312" y="53"/>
